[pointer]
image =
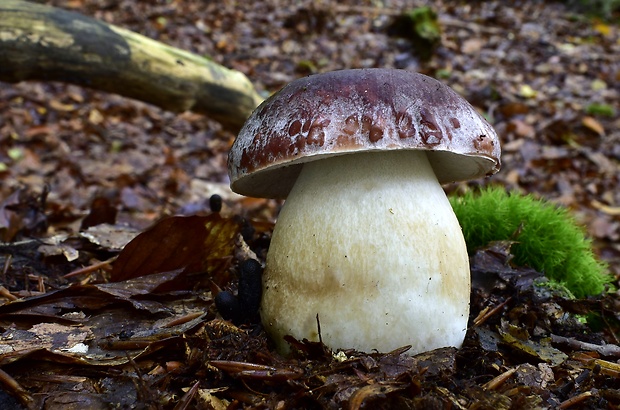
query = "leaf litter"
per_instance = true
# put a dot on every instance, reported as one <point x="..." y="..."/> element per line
<point x="102" y="305"/>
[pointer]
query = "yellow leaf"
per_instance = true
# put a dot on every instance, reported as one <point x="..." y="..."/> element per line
<point x="603" y="28"/>
<point x="527" y="92"/>
<point x="598" y="85"/>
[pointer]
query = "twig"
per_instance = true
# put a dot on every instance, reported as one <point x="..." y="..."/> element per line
<point x="499" y="380"/>
<point x="575" y="400"/>
<point x="183" y="319"/>
<point x="90" y="268"/>
<point x="187" y="398"/>
<point x="603" y="350"/>
<point x="4" y="292"/>
<point x="12" y="386"/>
<point x="485" y="314"/>
<point x="7" y="265"/>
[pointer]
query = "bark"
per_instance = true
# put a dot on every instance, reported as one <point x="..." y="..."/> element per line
<point x="39" y="42"/>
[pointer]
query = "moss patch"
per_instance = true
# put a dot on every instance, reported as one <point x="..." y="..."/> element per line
<point x="548" y="238"/>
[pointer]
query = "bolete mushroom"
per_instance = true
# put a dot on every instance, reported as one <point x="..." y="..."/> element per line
<point x="366" y="239"/>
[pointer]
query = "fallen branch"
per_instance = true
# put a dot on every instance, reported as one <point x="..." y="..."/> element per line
<point x="39" y="42"/>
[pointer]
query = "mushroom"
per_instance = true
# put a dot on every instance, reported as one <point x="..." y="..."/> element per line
<point x="366" y="239"/>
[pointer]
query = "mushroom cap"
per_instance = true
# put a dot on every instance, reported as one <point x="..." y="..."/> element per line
<point x="360" y="110"/>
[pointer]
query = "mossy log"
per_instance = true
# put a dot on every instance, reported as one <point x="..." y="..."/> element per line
<point x="39" y="42"/>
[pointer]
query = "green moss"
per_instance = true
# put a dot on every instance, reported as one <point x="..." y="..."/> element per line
<point x="421" y="27"/>
<point x="603" y="110"/>
<point x="548" y="238"/>
<point x="425" y="23"/>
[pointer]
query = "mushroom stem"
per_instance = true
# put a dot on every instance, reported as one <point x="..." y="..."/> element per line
<point x="370" y="243"/>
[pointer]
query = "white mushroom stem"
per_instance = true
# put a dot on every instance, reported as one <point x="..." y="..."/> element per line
<point x="370" y="243"/>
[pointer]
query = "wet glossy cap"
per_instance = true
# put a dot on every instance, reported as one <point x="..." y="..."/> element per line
<point x="349" y="111"/>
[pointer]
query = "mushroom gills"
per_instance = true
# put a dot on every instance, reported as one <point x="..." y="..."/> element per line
<point x="369" y="242"/>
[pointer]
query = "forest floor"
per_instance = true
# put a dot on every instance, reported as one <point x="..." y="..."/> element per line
<point x="545" y="74"/>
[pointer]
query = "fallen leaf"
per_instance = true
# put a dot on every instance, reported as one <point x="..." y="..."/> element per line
<point x="110" y="237"/>
<point x="593" y="125"/>
<point x="102" y="210"/>
<point x="521" y="129"/>
<point x="526" y="91"/>
<point x="472" y="45"/>
<point x="373" y="391"/>
<point x="191" y="243"/>
<point x="541" y="350"/>
<point x="604" y="29"/>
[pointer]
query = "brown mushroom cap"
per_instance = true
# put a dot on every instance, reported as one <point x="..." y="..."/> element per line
<point x="348" y="111"/>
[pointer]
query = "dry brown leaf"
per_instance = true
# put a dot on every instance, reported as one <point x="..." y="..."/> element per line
<point x="472" y="45"/>
<point x="593" y="125"/>
<point x="191" y="243"/>
<point x="373" y="391"/>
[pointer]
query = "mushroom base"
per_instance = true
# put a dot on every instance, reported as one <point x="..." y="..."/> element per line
<point x="370" y="244"/>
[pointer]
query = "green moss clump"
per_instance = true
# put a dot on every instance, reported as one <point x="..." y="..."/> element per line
<point x="547" y="237"/>
<point x="421" y="27"/>
<point x="603" y="110"/>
